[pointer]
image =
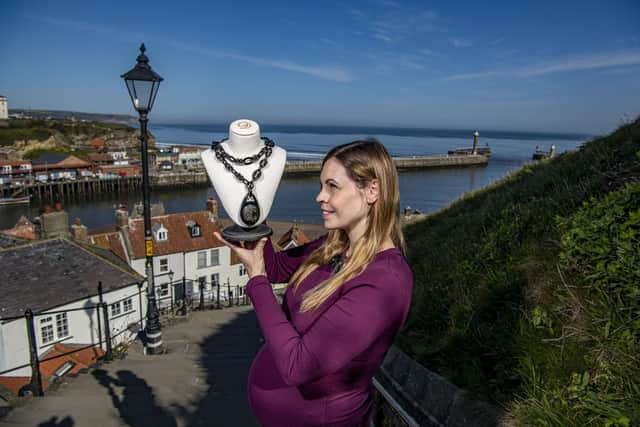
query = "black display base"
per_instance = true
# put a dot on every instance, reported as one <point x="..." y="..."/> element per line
<point x="235" y="233"/>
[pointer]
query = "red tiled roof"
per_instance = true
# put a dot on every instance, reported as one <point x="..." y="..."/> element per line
<point x="23" y="228"/>
<point x="49" y="363"/>
<point x="179" y="237"/>
<point x="15" y="163"/>
<point x="111" y="241"/>
<point x="295" y="235"/>
<point x="97" y="143"/>
<point x="100" y="157"/>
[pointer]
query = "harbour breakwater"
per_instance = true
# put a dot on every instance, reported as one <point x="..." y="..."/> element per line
<point x="58" y="190"/>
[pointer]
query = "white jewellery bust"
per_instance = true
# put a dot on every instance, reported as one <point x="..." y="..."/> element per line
<point x="245" y="141"/>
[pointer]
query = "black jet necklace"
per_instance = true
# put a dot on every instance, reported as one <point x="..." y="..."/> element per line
<point x="249" y="209"/>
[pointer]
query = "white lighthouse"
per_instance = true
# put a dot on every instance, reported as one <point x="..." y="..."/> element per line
<point x="4" y="108"/>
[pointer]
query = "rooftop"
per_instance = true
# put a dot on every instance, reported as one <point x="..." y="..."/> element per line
<point x="48" y="273"/>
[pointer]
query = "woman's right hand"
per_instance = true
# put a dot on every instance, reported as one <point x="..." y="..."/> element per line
<point x="250" y="254"/>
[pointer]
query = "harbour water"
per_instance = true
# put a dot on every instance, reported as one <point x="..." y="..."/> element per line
<point x="425" y="191"/>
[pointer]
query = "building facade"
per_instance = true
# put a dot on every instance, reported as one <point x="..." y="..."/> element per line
<point x="4" y="108"/>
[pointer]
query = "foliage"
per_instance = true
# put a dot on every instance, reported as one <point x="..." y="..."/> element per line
<point x="37" y="129"/>
<point x="516" y="284"/>
<point x="9" y="135"/>
<point x="32" y="154"/>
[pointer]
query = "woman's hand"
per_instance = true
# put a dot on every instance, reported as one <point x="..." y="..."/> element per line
<point x="250" y="254"/>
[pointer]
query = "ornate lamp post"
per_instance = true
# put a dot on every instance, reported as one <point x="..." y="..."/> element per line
<point x="143" y="85"/>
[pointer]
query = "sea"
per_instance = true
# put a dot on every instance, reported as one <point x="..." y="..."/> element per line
<point x="423" y="191"/>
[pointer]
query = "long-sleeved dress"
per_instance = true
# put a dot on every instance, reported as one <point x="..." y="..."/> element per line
<point x="316" y="368"/>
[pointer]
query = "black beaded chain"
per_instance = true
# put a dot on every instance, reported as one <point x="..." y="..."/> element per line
<point x="225" y="158"/>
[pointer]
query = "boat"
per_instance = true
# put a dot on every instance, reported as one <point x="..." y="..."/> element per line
<point x="542" y="155"/>
<point x="15" y="200"/>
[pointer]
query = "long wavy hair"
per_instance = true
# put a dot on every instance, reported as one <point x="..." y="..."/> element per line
<point x="364" y="160"/>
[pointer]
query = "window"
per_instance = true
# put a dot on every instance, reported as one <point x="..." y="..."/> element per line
<point x="164" y="265"/>
<point x="195" y="231"/>
<point x="115" y="309"/>
<point x="202" y="282"/>
<point x="215" y="257"/>
<point x="46" y="329"/>
<point x="242" y="270"/>
<point x="164" y="290"/>
<point x="215" y="279"/>
<point x="62" y="325"/>
<point x="202" y="259"/>
<point x="127" y="305"/>
<point x="161" y="233"/>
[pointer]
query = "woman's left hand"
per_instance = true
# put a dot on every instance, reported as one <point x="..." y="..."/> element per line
<point x="250" y="254"/>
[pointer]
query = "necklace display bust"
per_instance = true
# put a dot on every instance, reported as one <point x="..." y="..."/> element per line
<point x="245" y="170"/>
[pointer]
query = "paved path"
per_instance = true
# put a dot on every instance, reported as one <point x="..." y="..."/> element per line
<point x="200" y="381"/>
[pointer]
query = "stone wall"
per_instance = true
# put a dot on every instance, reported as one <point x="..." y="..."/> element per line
<point x="426" y="398"/>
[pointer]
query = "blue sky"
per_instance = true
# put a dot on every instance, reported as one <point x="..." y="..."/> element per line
<point x="539" y="65"/>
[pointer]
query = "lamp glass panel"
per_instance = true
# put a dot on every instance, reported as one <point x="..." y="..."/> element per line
<point x="141" y="95"/>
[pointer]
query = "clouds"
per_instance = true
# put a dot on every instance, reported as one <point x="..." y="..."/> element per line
<point x="460" y="43"/>
<point x="324" y="72"/>
<point x="585" y="62"/>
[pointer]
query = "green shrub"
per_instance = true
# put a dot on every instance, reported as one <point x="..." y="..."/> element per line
<point x="512" y="303"/>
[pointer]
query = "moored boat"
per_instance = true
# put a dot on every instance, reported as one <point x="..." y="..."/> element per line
<point x="14" y="200"/>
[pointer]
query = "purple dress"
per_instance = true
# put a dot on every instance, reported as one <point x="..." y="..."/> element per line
<point x="316" y="368"/>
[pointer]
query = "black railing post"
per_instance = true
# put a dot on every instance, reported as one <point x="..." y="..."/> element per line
<point x="218" y="296"/>
<point x="184" y="296"/>
<point x="201" y="287"/>
<point x="100" y="301"/>
<point x="107" y="332"/>
<point x="140" y="305"/>
<point x="36" y="378"/>
<point x="229" y="294"/>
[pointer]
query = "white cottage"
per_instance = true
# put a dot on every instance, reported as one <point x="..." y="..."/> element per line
<point x="185" y="252"/>
<point x="58" y="280"/>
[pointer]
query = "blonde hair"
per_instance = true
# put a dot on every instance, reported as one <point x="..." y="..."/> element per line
<point x="364" y="161"/>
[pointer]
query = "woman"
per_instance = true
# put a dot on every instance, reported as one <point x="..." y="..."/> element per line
<point x="349" y="293"/>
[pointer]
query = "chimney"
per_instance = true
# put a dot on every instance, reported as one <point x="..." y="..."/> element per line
<point x="54" y="223"/>
<point x="212" y="207"/>
<point x="79" y="231"/>
<point x="122" y="216"/>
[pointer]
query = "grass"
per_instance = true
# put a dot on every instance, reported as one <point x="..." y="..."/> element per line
<point x="33" y="129"/>
<point x="501" y="277"/>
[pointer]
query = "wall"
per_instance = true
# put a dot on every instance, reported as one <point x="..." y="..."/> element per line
<point x="83" y="328"/>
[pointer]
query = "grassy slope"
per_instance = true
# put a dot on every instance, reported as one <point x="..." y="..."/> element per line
<point x="493" y="300"/>
<point x="43" y="129"/>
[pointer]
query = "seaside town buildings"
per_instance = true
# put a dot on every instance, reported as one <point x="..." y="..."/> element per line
<point x="57" y="271"/>
<point x="103" y="163"/>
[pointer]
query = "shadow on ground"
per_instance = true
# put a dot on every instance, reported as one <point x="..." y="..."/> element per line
<point x="226" y="357"/>
<point x="137" y="406"/>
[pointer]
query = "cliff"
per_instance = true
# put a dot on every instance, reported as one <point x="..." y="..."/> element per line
<point x="27" y="135"/>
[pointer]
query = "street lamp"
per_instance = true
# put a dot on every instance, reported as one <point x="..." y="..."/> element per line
<point x="142" y="84"/>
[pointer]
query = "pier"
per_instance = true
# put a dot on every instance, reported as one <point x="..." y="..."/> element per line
<point x="402" y="163"/>
<point x="63" y="189"/>
<point x="58" y="190"/>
